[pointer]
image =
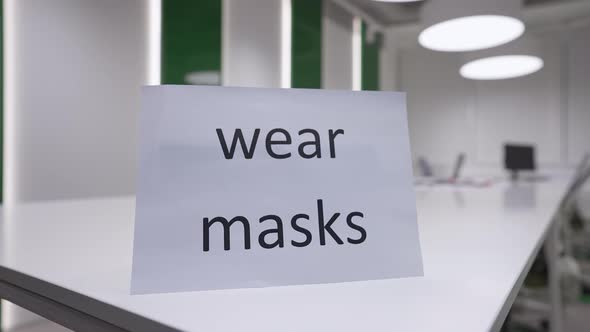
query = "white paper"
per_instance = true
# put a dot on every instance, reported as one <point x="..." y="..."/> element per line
<point x="185" y="177"/>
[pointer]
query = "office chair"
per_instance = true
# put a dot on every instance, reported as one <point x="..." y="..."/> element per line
<point x="424" y="167"/>
<point x="574" y="276"/>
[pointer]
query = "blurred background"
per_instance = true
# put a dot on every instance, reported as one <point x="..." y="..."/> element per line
<point x="483" y="78"/>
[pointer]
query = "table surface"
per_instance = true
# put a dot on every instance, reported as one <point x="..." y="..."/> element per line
<point x="476" y="243"/>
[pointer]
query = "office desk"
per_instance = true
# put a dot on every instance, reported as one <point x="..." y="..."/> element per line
<point x="71" y="262"/>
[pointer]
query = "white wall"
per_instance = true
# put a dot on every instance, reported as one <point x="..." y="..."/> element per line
<point x="440" y="105"/>
<point x="78" y="66"/>
<point x="73" y="74"/>
<point x="526" y="109"/>
<point x="337" y="45"/>
<point x="388" y="65"/>
<point x="253" y="50"/>
<point x="578" y="98"/>
<point x="449" y="114"/>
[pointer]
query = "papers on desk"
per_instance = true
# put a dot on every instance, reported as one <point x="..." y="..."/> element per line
<point x="474" y="182"/>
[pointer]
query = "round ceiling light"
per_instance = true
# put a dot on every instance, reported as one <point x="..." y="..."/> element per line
<point x="501" y="67"/>
<point x="470" y="25"/>
<point x="515" y="59"/>
<point x="471" y="33"/>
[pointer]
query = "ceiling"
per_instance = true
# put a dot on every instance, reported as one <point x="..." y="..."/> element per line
<point x="389" y="14"/>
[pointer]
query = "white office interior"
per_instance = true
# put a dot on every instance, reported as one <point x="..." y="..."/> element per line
<point x="73" y="71"/>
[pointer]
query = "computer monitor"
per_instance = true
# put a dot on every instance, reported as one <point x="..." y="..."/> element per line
<point x="519" y="157"/>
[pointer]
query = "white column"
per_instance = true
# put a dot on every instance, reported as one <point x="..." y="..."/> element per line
<point x="341" y="48"/>
<point x="357" y="53"/>
<point x="256" y="43"/>
<point x="154" y="42"/>
<point x="74" y="69"/>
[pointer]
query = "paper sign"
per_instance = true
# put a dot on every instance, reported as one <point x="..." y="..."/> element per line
<point x="245" y="187"/>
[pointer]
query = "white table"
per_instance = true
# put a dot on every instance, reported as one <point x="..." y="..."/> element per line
<point x="71" y="262"/>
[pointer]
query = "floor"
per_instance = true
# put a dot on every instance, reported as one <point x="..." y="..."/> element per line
<point x="577" y="319"/>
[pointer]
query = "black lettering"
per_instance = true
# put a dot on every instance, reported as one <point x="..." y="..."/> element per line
<point x="270" y="142"/>
<point x="332" y="134"/>
<point x="279" y="231"/>
<point x="317" y="153"/>
<point x="226" y="231"/>
<point x="300" y="230"/>
<point x="248" y="151"/>
<point x="327" y="227"/>
<point x="356" y="227"/>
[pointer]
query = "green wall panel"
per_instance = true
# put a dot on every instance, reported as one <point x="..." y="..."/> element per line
<point x="306" y="56"/>
<point x="191" y="39"/>
<point x="370" y="60"/>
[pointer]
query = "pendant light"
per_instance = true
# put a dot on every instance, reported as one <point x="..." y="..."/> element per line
<point x="515" y="59"/>
<point x="469" y="25"/>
